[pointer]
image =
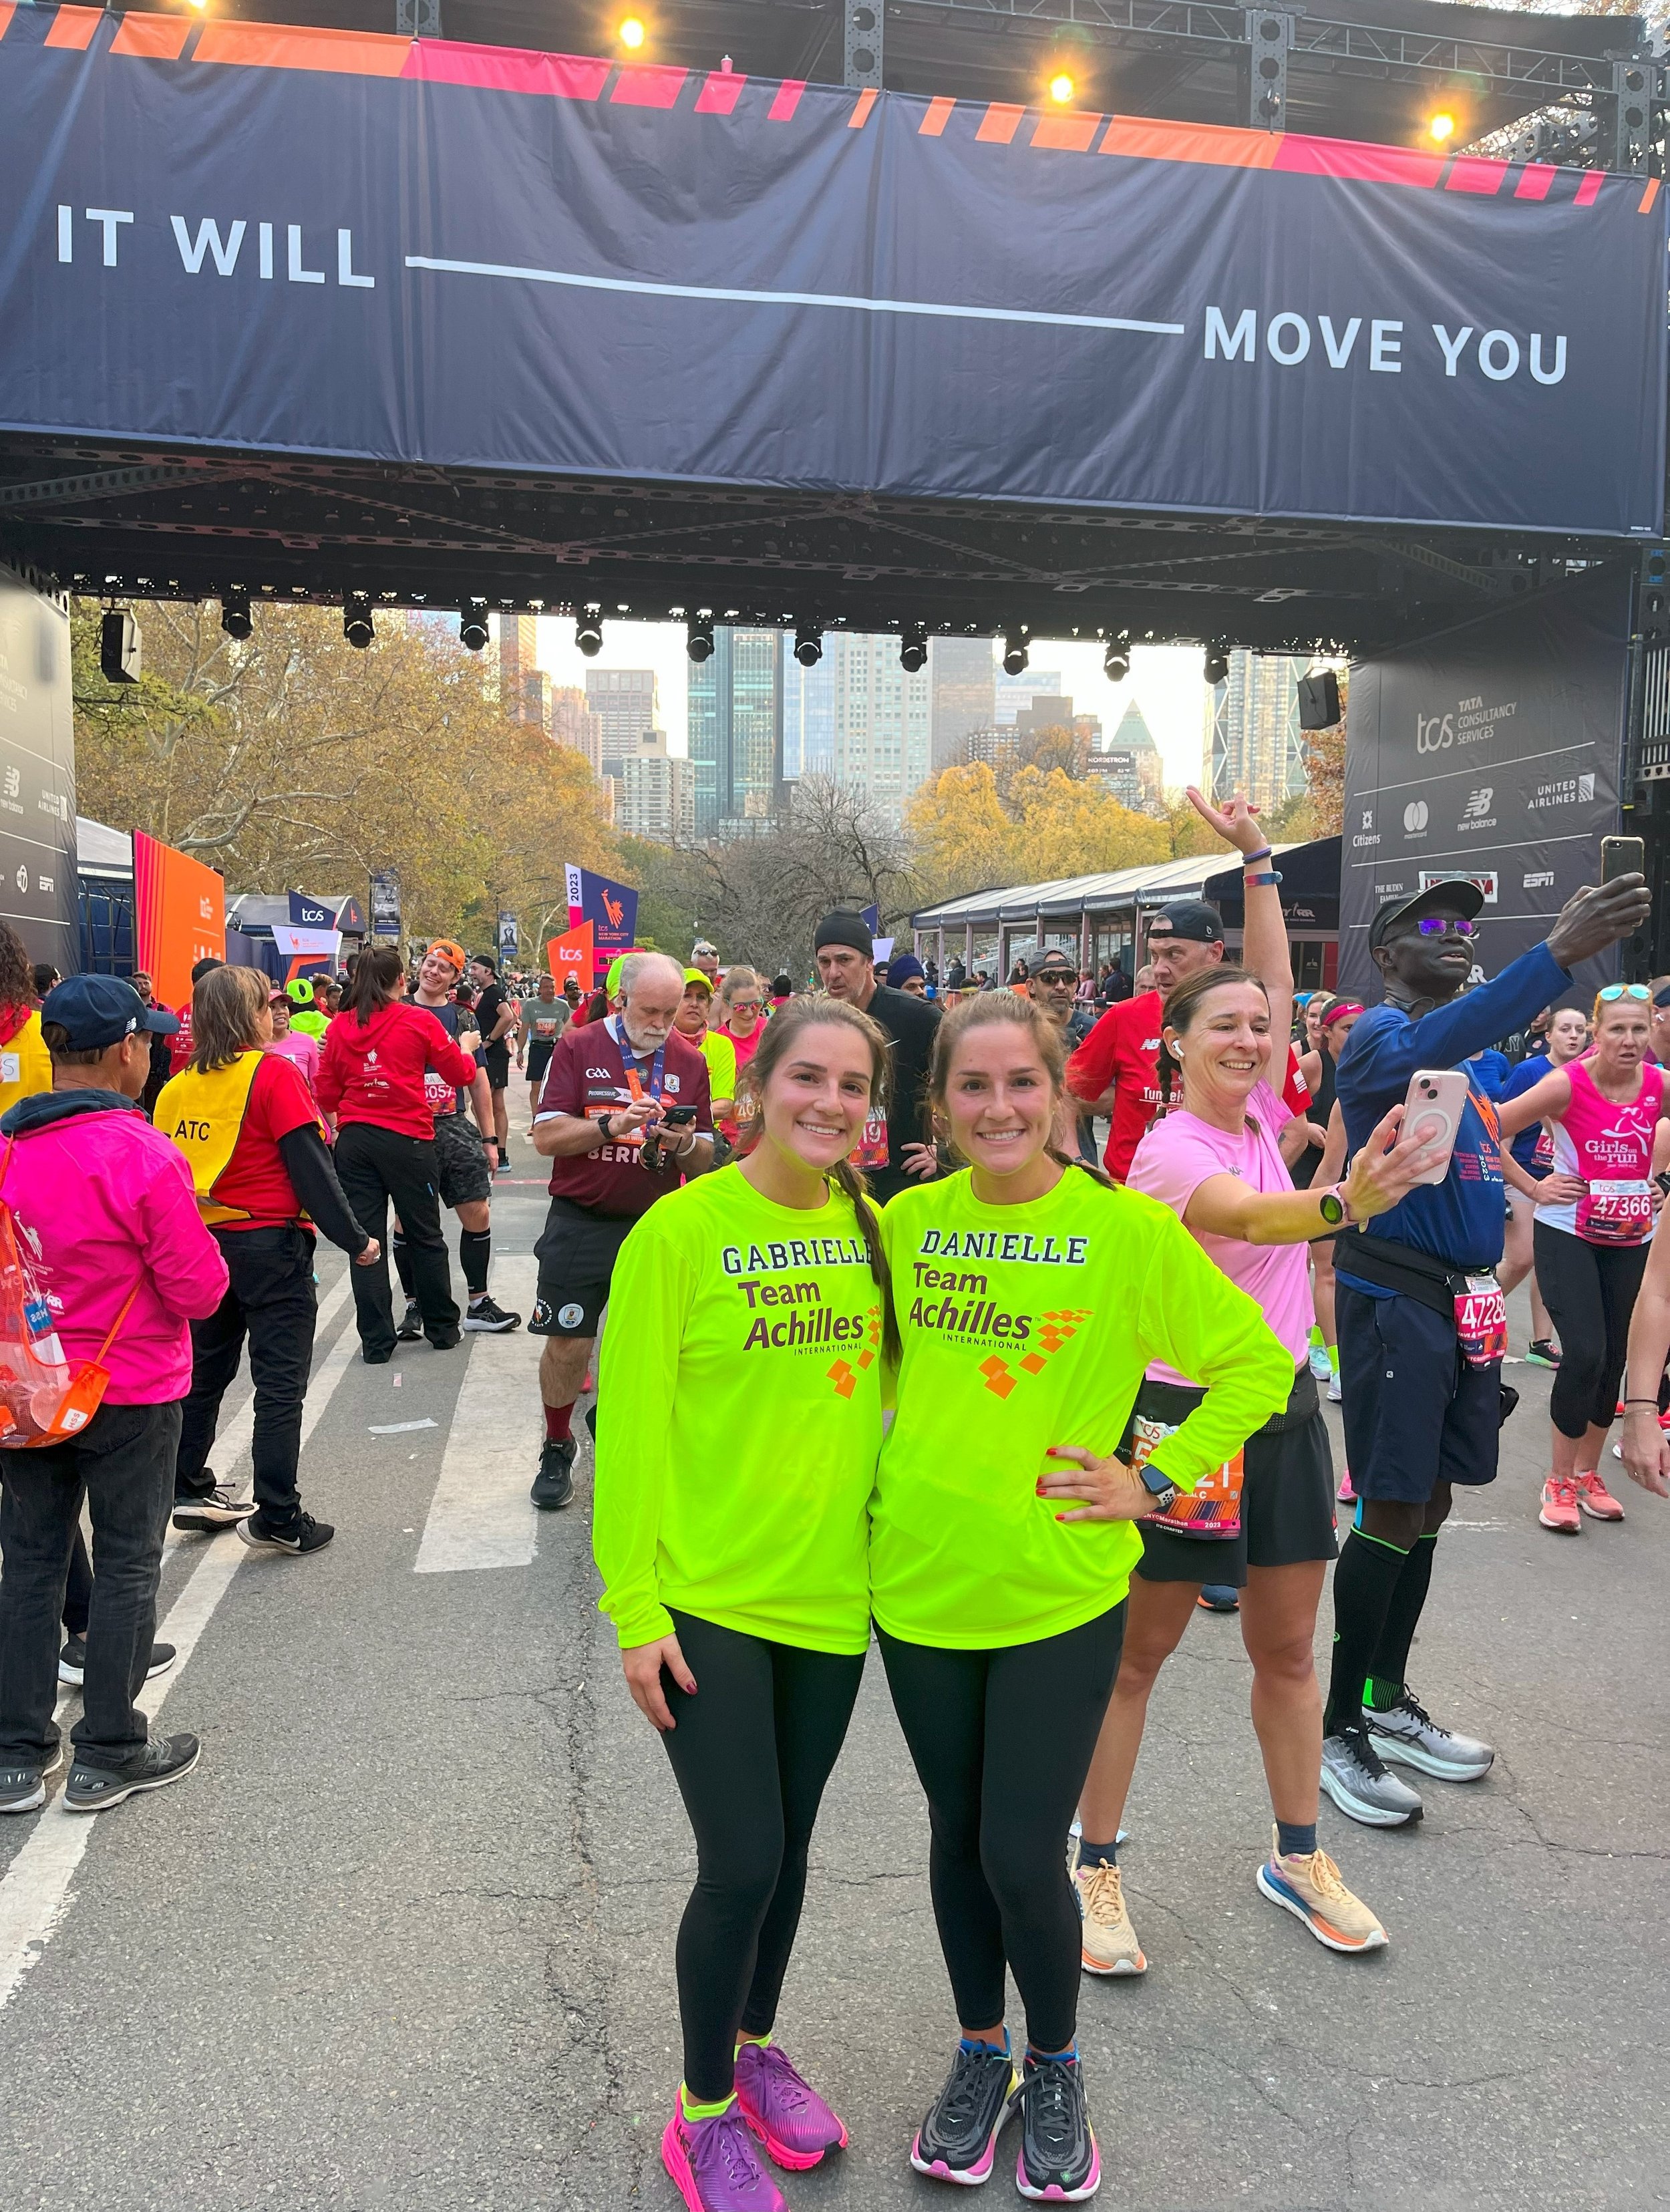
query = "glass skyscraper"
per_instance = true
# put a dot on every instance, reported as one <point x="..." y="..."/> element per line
<point x="736" y="729"/>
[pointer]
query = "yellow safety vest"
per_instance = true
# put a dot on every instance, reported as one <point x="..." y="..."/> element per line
<point x="204" y="1116"/>
<point x="25" y="1065"/>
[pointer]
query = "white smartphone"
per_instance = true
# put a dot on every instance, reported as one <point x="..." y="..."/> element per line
<point x="1432" y="1113"/>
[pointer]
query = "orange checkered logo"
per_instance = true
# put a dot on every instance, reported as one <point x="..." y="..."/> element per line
<point x="1055" y="1330"/>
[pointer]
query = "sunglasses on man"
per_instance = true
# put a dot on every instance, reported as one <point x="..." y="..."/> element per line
<point x="1436" y="925"/>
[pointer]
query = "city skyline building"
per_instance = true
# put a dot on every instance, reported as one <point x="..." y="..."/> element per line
<point x="627" y="702"/>
<point x="737" y="729"/>
<point x="883" y="720"/>
<point x="576" y="723"/>
<point x="1130" y="766"/>
<point x="1014" y="692"/>
<point x="1254" y="743"/>
<point x="524" y="688"/>
<point x="655" y="794"/>
<point x="962" y="678"/>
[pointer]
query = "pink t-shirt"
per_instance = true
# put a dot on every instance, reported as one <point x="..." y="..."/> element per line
<point x="1178" y="1154"/>
<point x="303" y="1050"/>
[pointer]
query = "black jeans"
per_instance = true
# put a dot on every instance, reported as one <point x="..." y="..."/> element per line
<point x="123" y="1463"/>
<point x="271" y="1298"/>
<point x="1002" y="1742"/>
<point x="751" y="1753"/>
<point x="375" y="1168"/>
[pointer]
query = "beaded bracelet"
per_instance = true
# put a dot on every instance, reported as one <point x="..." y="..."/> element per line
<point x="1250" y="859"/>
<point x="1255" y="882"/>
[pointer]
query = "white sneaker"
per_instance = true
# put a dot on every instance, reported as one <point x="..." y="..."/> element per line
<point x="1321" y="1365"/>
<point x="1335" y="1394"/>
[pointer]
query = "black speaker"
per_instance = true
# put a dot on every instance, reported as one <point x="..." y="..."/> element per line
<point x="1319" y="699"/>
<point x="119" y="646"/>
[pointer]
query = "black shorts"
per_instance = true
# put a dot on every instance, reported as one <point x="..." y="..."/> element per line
<point x="1416" y="1414"/>
<point x="576" y="1252"/>
<point x="1286" y="1498"/>
<point x="539" y="1058"/>
<point x="461" y="1170"/>
<point x="495" y="1059"/>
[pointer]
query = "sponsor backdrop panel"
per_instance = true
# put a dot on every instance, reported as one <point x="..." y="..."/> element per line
<point x="1494" y="751"/>
<point x="181" y="914"/>
<point x="644" y="273"/>
<point x="37" y="878"/>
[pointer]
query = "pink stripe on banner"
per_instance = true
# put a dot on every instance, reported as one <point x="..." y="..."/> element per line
<point x="7" y="10"/>
<point x="654" y="85"/>
<point x="506" y="69"/>
<point x="719" y="95"/>
<point x="788" y="98"/>
<point x="1590" y="191"/>
<point x="1369" y="165"/>
<point x="1534" y="184"/>
<point x="1473" y="172"/>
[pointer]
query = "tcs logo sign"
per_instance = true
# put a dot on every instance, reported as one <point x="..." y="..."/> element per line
<point x="1434" y="733"/>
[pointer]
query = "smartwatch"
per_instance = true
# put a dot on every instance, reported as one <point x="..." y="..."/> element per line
<point x="603" y="1120"/>
<point x="1160" y="1487"/>
<point x="1333" y="1207"/>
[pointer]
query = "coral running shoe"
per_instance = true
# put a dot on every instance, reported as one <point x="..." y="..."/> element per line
<point x="1346" y="1492"/>
<point x="783" y="2110"/>
<point x="1058" y="2164"/>
<point x="1107" y="1942"/>
<point x="1559" y="1506"/>
<point x="1309" y="1888"/>
<point x="958" y="2140"/>
<point x="1595" y="1499"/>
<point x="713" y="2166"/>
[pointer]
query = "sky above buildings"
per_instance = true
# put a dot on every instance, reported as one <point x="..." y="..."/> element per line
<point x="1165" y="681"/>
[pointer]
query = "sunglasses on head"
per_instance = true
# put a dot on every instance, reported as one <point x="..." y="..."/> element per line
<point x="1434" y="925"/>
<point x="1624" y="991"/>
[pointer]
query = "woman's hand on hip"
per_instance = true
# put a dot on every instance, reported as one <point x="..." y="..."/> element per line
<point x="1095" y="1489"/>
<point x="641" y="1665"/>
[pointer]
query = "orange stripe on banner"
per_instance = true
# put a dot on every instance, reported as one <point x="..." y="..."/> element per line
<point x="860" y="114"/>
<point x="74" y="28"/>
<point x="719" y="95"/>
<point x="1066" y="133"/>
<point x="1649" y="196"/>
<point x="1357" y="164"/>
<point x="999" y="124"/>
<point x="938" y="115"/>
<point x="506" y="69"/>
<point x="278" y="45"/>
<point x="158" y="38"/>
<point x="1534" y="184"/>
<point x="788" y="98"/>
<point x="1214" y="143"/>
<point x="8" y="9"/>
<point x="1590" y="191"/>
<point x="1475" y="173"/>
<point x="655" y="84"/>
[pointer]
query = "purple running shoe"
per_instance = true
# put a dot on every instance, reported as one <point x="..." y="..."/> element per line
<point x="782" y="2109"/>
<point x="714" y="2164"/>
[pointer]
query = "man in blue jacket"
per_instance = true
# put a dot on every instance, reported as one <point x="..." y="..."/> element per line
<point x="1421" y="1325"/>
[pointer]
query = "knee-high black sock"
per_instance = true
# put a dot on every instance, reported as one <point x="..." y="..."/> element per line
<point x="1391" y="1659"/>
<point x="1363" y="1582"/>
<point x="475" y="1250"/>
<point x="403" y="1265"/>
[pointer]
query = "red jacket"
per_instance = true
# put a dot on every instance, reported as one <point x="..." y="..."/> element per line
<point x="373" y="1070"/>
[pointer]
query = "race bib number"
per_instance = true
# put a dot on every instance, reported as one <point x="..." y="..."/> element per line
<point x="1615" y="1213"/>
<point x="1481" y="1322"/>
<point x="1211" y="1508"/>
<point x="439" y="1094"/>
<point x="1542" y="1154"/>
<point x="872" y="1144"/>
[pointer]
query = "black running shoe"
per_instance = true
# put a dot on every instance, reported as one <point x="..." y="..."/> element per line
<point x="958" y="2140"/>
<point x="553" y="1484"/>
<point x="206" y="1510"/>
<point x="165" y="1758"/>
<point x="72" y="1660"/>
<point x="303" y="1534"/>
<point x="446" y="1340"/>
<point x="483" y="1313"/>
<point x="411" y="1323"/>
<point x="1058" y="2160"/>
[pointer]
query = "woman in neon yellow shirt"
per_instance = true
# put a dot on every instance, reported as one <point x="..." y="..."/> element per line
<point x="1030" y="1296"/>
<point x="730" y="1532"/>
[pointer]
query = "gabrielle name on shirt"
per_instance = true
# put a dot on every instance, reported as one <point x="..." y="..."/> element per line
<point x="751" y="1267"/>
<point x="963" y="1307"/>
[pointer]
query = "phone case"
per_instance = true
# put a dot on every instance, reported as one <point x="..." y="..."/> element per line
<point x="1436" y="1096"/>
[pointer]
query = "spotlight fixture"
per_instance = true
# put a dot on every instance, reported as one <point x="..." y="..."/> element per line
<point x="1216" y="669"/>
<point x="1014" y="651"/>
<point x="913" y="648"/>
<point x="235" y="611"/>
<point x="357" y="626"/>
<point x="1061" y="89"/>
<point x="119" y="646"/>
<point x="1116" y="661"/>
<point x="699" y="638"/>
<point x="472" y="625"/>
<point x="588" y="632"/>
<point x="1440" y="129"/>
<point x="631" y="32"/>
<point x="809" y="645"/>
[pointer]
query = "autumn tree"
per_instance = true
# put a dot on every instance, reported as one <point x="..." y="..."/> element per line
<point x="969" y="833"/>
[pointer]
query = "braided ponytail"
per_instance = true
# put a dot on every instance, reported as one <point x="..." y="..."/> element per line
<point x="855" y="1188"/>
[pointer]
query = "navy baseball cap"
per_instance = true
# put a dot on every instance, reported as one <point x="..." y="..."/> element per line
<point x="96" y="1011"/>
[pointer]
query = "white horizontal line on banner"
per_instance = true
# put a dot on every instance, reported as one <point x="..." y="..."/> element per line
<point x="1512" y="760"/>
<point x="794" y="299"/>
<point x="1418" y="858"/>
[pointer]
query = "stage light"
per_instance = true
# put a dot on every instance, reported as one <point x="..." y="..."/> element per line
<point x="1116" y="661"/>
<point x="472" y="625"/>
<point x="1217" y="665"/>
<point x="235" y="611"/>
<point x="119" y="646"/>
<point x="357" y="626"/>
<point x="1440" y="129"/>
<point x="588" y="632"/>
<point x="699" y="638"/>
<point x="808" y="646"/>
<point x="913" y="648"/>
<point x="631" y="32"/>
<point x="1061" y="90"/>
<point x="1014" y="652"/>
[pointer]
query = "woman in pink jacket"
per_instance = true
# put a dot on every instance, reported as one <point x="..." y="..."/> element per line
<point x="104" y="1211"/>
<point x="371" y="1079"/>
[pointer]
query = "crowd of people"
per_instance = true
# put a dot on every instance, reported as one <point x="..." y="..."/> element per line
<point x="1010" y="1410"/>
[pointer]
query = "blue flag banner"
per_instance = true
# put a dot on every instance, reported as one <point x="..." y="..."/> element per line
<point x="610" y="907"/>
<point x="491" y="259"/>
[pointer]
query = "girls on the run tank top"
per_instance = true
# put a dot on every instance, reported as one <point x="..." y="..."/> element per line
<point x="1610" y="1146"/>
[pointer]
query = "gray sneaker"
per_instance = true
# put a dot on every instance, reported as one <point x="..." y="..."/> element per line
<point x="1408" y="1733"/>
<point x="23" y="1788"/>
<point x="164" y="1760"/>
<point x="1360" y="1786"/>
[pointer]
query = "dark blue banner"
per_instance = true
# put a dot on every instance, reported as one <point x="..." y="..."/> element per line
<point x="237" y="236"/>
<point x="610" y="907"/>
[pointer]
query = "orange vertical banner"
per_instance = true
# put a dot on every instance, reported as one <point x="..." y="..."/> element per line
<point x="572" y="955"/>
<point x="179" y="916"/>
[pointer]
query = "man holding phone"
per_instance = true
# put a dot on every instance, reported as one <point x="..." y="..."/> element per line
<point x="1420" y="1316"/>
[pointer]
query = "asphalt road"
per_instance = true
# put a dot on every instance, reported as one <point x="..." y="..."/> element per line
<point x="406" y="1937"/>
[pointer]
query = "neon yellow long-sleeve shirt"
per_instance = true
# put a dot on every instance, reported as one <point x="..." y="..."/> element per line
<point x="739" y="1417"/>
<point x="1025" y="1327"/>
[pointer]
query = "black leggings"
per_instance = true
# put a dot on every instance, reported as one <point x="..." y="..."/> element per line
<point x="751" y="1753"/>
<point x="375" y="1166"/>
<point x="1002" y="1742"/>
<point x="1590" y="1293"/>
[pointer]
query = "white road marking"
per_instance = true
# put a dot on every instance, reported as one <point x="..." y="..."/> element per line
<point x="35" y="1891"/>
<point x="480" y="1515"/>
